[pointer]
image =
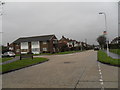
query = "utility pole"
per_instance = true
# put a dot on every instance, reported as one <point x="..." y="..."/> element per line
<point x="103" y="13"/>
<point x="86" y="42"/>
<point x="81" y="45"/>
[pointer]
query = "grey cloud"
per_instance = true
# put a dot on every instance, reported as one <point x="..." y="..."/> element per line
<point x="74" y="20"/>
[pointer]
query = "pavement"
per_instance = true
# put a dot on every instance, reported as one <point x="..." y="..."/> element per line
<point x="9" y="61"/>
<point x="113" y="55"/>
<point x="77" y="70"/>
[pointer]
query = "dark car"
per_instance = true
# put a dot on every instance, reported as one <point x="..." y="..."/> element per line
<point x="8" y="54"/>
<point x="96" y="48"/>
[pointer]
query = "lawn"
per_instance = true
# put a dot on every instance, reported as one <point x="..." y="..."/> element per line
<point x="117" y="51"/>
<point x="66" y="52"/>
<point x="5" y="59"/>
<point x="22" y="63"/>
<point x="102" y="57"/>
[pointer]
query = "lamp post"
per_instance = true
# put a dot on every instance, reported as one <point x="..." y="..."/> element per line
<point x="103" y="13"/>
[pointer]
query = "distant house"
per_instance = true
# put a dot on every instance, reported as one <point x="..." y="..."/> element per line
<point x="74" y="45"/>
<point x="35" y="44"/>
<point x="115" y="40"/>
<point x="115" y="43"/>
<point x="4" y="49"/>
<point x="63" y="44"/>
<point x="66" y="44"/>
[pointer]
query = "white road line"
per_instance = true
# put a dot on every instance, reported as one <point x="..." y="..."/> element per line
<point x="102" y="83"/>
<point x="101" y="80"/>
<point x="101" y="77"/>
<point x="100" y="73"/>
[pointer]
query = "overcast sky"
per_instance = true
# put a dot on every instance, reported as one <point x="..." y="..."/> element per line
<point x="75" y="20"/>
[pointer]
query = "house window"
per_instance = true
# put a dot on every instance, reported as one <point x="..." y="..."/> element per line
<point x="10" y="48"/>
<point x="44" y="49"/>
<point x="35" y="49"/>
<point x="17" y="45"/>
<point x="23" y="51"/>
<point x="35" y="44"/>
<point x="55" y="42"/>
<point x="44" y="42"/>
<point x="24" y="45"/>
<point x="53" y="49"/>
<point x="70" y="43"/>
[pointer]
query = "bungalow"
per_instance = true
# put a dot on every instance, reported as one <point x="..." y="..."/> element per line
<point x="35" y="44"/>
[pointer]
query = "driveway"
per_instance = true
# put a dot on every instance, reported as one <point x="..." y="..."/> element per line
<point x="78" y="70"/>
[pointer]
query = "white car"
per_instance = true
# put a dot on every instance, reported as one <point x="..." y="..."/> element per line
<point x="96" y="48"/>
<point x="8" y="54"/>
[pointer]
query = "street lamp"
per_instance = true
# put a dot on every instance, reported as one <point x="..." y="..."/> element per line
<point x="103" y="13"/>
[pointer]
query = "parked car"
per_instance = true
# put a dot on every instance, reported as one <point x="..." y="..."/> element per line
<point x="8" y="54"/>
<point x="96" y="48"/>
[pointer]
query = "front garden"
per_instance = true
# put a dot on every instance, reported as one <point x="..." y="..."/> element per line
<point x="19" y="64"/>
<point x="59" y="53"/>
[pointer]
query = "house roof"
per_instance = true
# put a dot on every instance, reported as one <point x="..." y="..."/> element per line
<point x="115" y="40"/>
<point x="34" y="38"/>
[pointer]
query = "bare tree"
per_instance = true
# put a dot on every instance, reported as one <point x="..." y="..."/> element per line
<point x="1" y="7"/>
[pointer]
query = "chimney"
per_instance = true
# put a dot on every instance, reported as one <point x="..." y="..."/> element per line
<point x="8" y="44"/>
<point x="63" y="37"/>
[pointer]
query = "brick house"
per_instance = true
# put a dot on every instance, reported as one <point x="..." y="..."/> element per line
<point x="63" y="44"/>
<point x="115" y="40"/>
<point x="66" y="44"/>
<point x="74" y="45"/>
<point x="35" y="44"/>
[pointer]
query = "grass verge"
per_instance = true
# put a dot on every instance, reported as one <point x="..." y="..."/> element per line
<point x="67" y="52"/>
<point x="21" y="64"/>
<point x="116" y="51"/>
<point x="59" y="53"/>
<point x="102" y="57"/>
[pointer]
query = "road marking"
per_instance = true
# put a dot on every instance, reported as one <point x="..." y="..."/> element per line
<point x="101" y="77"/>
<point x="101" y="80"/>
<point x="100" y="73"/>
<point x="102" y="83"/>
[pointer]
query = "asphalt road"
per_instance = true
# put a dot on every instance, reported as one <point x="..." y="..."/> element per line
<point x="78" y="70"/>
